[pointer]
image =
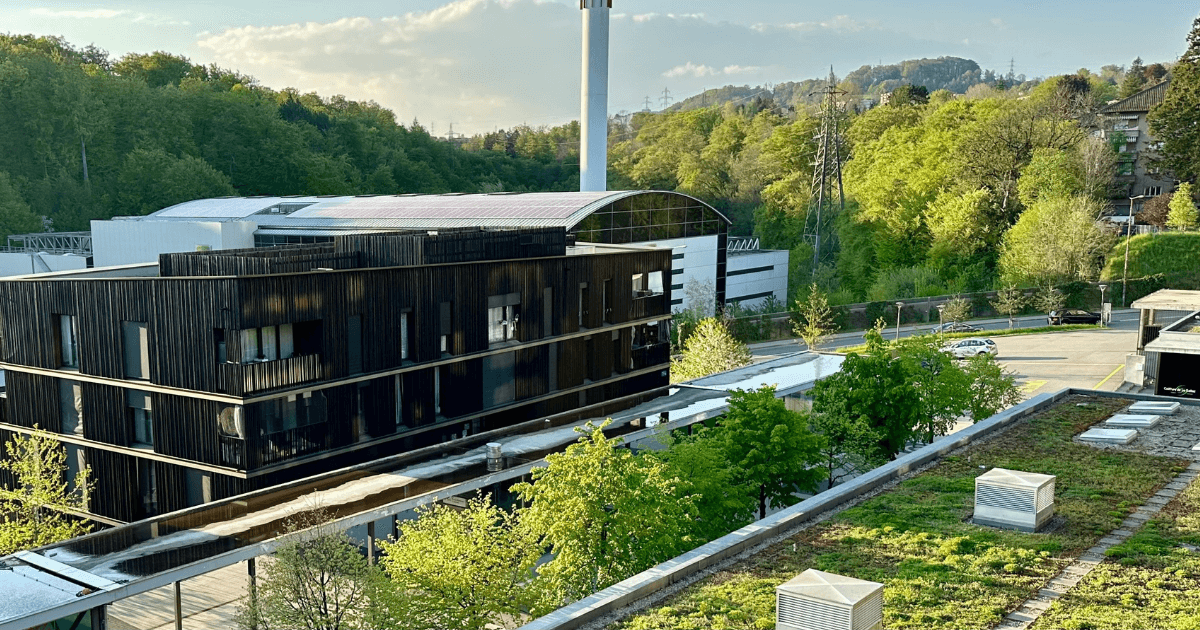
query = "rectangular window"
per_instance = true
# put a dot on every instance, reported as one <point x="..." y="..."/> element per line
<point x="76" y="462"/>
<point x="639" y="285"/>
<point x="219" y="342"/>
<point x="141" y="417"/>
<point x="287" y="342"/>
<point x="249" y="339"/>
<point x="199" y="487"/>
<point x="404" y="335"/>
<point x="445" y="327"/>
<point x="268" y="343"/>
<point x="148" y="486"/>
<point x="137" y="352"/>
<point x="399" y="403"/>
<point x="70" y="394"/>
<point x="68" y="332"/>
<point x="654" y="282"/>
<point x="503" y="316"/>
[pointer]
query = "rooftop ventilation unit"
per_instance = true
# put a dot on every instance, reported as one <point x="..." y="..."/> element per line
<point x="815" y="600"/>
<point x="1013" y="499"/>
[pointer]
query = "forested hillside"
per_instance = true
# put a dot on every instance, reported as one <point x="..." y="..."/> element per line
<point x="84" y="137"/>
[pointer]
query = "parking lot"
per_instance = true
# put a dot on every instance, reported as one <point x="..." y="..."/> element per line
<point x="1091" y="359"/>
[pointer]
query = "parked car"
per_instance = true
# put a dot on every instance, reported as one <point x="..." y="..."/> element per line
<point x="1072" y="316"/>
<point x="955" y="327"/>
<point x="970" y="347"/>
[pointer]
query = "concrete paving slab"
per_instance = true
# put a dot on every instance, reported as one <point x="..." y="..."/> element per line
<point x="1132" y="421"/>
<point x="1156" y="407"/>
<point x="1109" y="436"/>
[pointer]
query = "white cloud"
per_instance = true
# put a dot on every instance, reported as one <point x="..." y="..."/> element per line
<point x="108" y="14"/>
<point x="483" y="64"/>
<point x="837" y="24"/>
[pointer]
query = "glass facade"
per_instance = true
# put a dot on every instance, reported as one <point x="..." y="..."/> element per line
<point x="268" y="240"/>
<point x="652" y="216"/>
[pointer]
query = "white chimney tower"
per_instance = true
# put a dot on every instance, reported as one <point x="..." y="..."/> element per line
<point x="593" y="119"/>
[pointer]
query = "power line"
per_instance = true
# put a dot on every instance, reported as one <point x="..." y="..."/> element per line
<point x="666" y="98"/>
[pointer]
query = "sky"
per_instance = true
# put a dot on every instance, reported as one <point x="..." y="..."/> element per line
<point x="487" y="64"/>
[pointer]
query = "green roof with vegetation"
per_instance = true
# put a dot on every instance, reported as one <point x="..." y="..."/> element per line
<point x="939" y="569"/>
<point x="1156" y="261"/>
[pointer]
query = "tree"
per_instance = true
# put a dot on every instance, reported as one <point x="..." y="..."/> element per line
<point x="816" y="318"/>
<point x="942" y="388"/>
<point x="876" y="389"/>
<point x="956" y="309"/>
<point x="769" y="447"/>
<point x="35" y="507"/>
<point x="1183" y="215"/>
<point x="1055" y="240"/>
<point x="1009" y="301"/>
<point x="908" y="95"/>
<point x="1176" y="121"/>
<point x="709" y="350"/>
<point x="1050" y="174"/>
<point x="724" y="501"/>
<point x="848" y="445"/>
<point x="604" y="513"/>
<point x="1155" y="210"/>
<point x="1049" y="298"/>
<point x="317" y="580"/>
<point x="15" y="217"/>
<point x="151" y="179"/>
<point x="463" y="569"/>
<point x="1135" y="79"/>
<point x="992" y="388"/>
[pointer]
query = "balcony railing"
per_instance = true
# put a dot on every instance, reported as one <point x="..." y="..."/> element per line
<point x="652" y="355"/>
<point x="240" y="379"/>
<point x="273" y="448"/>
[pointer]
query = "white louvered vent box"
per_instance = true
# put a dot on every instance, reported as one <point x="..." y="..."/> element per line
<point x="816" y="600"/>
<point x="1013" y="499"/>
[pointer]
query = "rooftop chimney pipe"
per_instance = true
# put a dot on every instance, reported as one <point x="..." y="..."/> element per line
<point x="593" y="119"/>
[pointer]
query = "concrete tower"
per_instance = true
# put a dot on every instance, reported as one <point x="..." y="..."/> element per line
<point x="593" y="119"/>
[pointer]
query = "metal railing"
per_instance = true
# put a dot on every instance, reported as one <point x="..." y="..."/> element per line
<point x="240" y="379"/>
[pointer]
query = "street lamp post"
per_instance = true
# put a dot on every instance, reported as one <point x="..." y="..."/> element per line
<point x="1128" y="237"/>
<point x="1102" y="288"/>
<point x="941" y="322"/>
<point x="899" y="305"/>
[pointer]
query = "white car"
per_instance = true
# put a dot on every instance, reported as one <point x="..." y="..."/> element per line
<point x="970" y="347"/>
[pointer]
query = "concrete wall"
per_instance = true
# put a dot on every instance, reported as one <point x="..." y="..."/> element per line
<point x="23" y="263"/>
<point x="120" y="242"/>
<point x="698" y="262"/>
<point x="772" y="280"/>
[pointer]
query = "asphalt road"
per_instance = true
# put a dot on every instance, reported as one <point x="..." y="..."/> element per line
<point x="1092" y="359"/>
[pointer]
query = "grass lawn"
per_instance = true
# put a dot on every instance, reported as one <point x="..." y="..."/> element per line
<point x="1150" y="581"/>
<point x="938" y="570"/>
<point x="1005" y="332"/>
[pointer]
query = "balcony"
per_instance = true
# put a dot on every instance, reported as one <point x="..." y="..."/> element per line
<point x="273" y="448"/>
<point x="652" y="355"/>
<point x="241" y="379"/>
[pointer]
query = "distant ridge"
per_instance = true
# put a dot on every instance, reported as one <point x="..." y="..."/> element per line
<point x="944" y="73"/>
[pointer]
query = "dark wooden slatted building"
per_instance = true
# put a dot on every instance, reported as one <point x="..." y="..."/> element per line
<point x="237" y="369"/>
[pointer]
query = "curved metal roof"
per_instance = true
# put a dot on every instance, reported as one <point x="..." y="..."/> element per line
<point x="542" y="209"/>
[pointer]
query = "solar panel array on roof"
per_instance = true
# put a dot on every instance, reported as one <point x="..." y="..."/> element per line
<point x="224" y="207"/>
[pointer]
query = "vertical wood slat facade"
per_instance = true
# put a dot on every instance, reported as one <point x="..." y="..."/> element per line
<point x="187" y="315"/>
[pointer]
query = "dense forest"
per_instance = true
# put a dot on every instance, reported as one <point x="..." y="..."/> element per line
<point x="85" y="137"/>
<point x="957" y="184"/>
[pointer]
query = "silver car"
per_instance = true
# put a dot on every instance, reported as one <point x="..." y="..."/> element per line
<point x="970" y="347"/>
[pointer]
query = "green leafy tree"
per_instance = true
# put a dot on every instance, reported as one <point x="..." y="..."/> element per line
<point x="151" y="179"/>
<point x="876" y="389"/>
<point x="463" y="569"/>
<point x="956" y="309"/>
<point x="1051" y="173"/>
<point x="605" y="514"/>
<point x="1009" y="301"/>
<point x="1055" y="240"/>
<point x="318" y="580"/>
<point x="1176" y="121"/>
<point x="724" y="501"/>
<point x="35" y="507"/>
<point x="1049" y="298"/>
<point x="848" y="445"/>
<point x="769" y="446"/>
<point x="992" y="388"/>
<point x="710" y="349"/>
<point x="815" y="323"/>
<point x="1182" y="214"/>
<point x="15" y="216"/>
<point x="157" y="69"/>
